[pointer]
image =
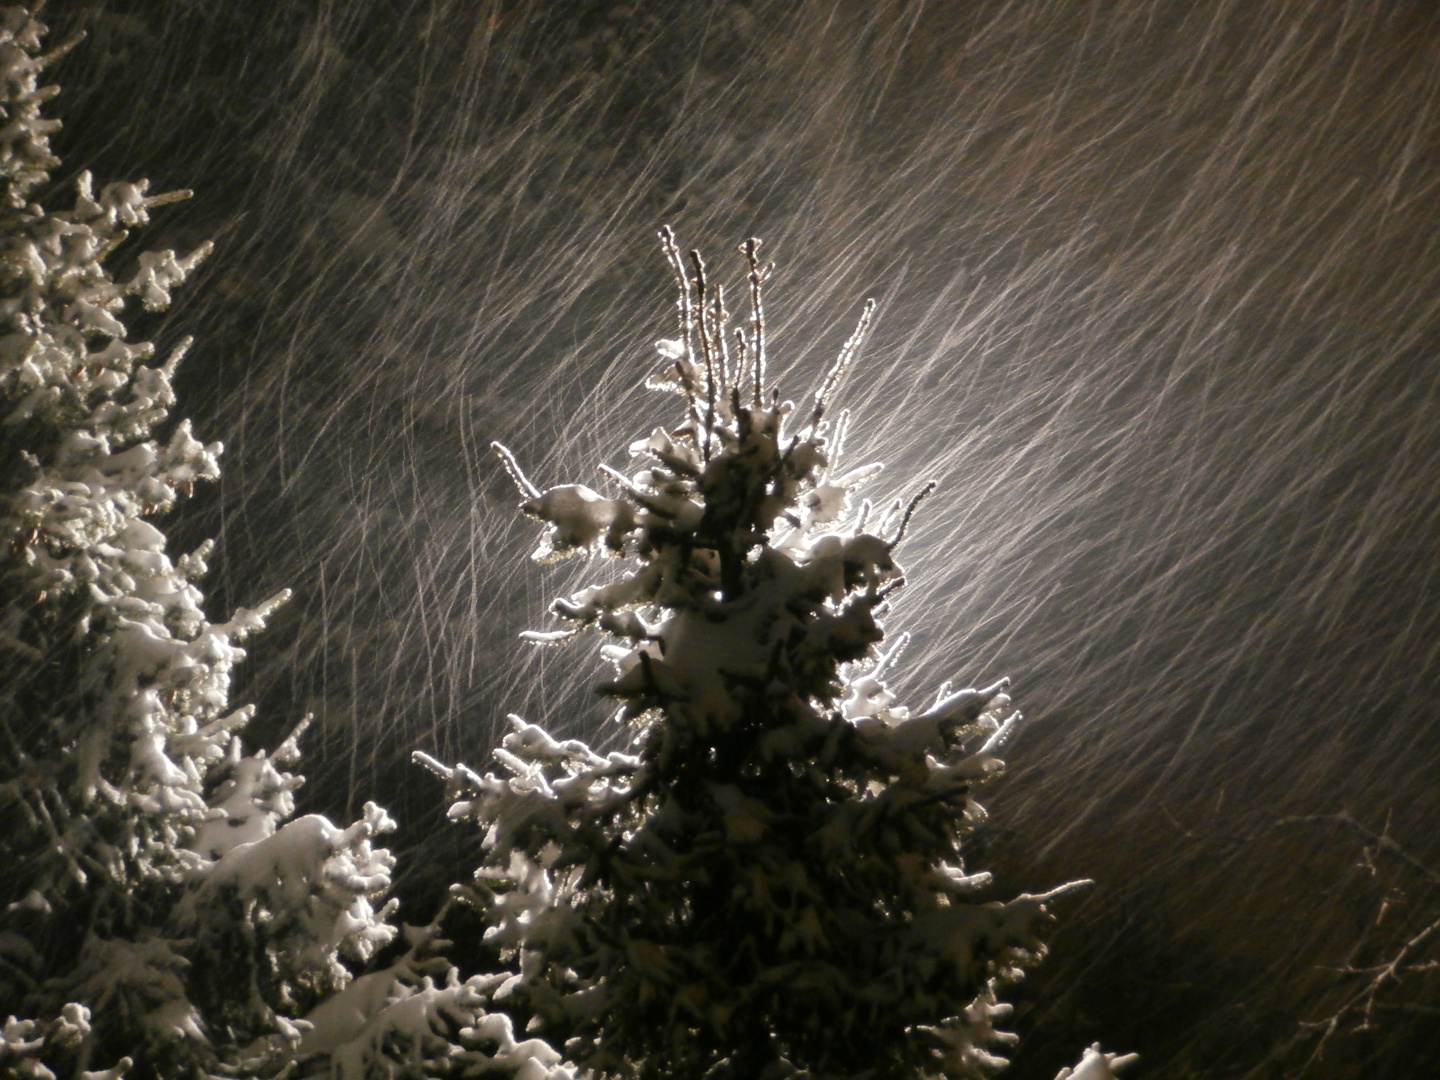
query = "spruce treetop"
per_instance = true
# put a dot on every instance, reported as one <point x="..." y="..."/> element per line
<point x="770" y="881"/>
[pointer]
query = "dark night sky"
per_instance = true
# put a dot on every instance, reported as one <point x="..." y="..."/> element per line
<point x="1158" y="287"/>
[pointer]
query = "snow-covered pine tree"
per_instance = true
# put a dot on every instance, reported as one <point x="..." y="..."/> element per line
<point x="770" y="882"/>
<point x="152" y="904"/>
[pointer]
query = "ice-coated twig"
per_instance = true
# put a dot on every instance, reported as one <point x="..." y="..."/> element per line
<point x="863" y="515"/>
<point x="547" y="637"/>
<point x="915" y="502"/>
<point x="517" y="474"/>
<point x="685" y="365"/>
<point x="687" y="314"/>
<point x="165" y="198"/>
<point x="756" y="278"/>
<point x="842" y="362"/>
<point x="707" y="352"/>
<point x="719" y="317"/>
<point x="837" y="440"/>
<point x="742" y="367"/>
<point x="44" y="60"/>
<point x="1002" y="734"/>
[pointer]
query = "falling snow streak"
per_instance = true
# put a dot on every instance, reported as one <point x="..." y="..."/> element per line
<point x="1158" y="290"/>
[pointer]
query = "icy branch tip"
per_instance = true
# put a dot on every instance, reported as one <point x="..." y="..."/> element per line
<point x="167" y="197"/>
<point x="274" y="603"/>
<point x="288" y="752"/>
<point x="419" y="757"/>
<point x="547" y="637"/>
<point x="842" y="362"/>
<point x="1070" y="888"/>
<point x="46" y="59"/>
<point x="1002" y="733"/>
<point x="517" y="474"/>
<point x="920" y="497"/>
<point x="172" y="362"/>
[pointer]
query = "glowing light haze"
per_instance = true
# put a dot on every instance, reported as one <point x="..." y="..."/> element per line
<point x="1158" y="280"/>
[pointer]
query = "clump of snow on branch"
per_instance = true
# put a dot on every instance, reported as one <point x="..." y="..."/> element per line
<point x="421" y="1027"/>
<point x="770" y="879"/>
<point x="1096" y="1064"/>
<point x="25" y="1043"/>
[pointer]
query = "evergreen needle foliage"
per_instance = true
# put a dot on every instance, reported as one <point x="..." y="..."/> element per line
<point x="771" y="880"/>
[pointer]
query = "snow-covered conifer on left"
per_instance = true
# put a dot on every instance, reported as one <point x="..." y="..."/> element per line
<point x="155" y="904"/>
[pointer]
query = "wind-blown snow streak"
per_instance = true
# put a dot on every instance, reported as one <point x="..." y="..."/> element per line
<point x="1157" y="293"/>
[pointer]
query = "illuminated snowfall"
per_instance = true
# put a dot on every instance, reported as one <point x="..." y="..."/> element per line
<point x="773" y="878"/>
